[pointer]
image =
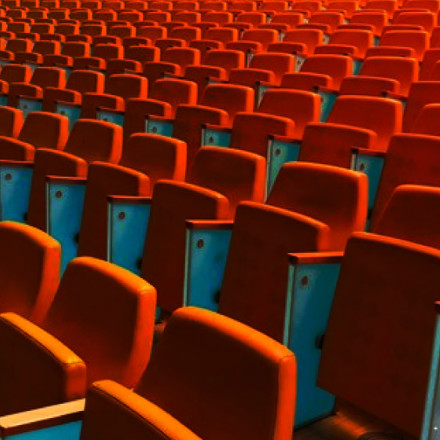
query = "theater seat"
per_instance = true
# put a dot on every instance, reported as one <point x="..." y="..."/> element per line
<point x="179" y="376"/>
<point x="88" y="141"/>
<point x="29" y="270"/>
<point x="391" y="271"/>
<point x="99" y="326"/>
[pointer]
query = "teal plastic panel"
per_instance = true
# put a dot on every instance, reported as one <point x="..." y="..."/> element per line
<point x="357" y="64"/>
<point x="15" y="189"/>
<point x="68" y="71"/>
<point x="73" y="112"/>
<point x="431" y="419"/>
<point x="30" y="105"/>
<point x="218" y="138"/>
<point x="206" y="255"/>
<point x="32" y="66"/>
<point x="260" y="92"/>
<point x="3" y="100"/>
<point x="328" y="101"/>
<point x="299" y="61"/>
<point x="372" y="166"/>
<point x="127" y="229"/>
<point x="155" y="126"/>
<point x="376" y="41"/>
<point x="311" y="289"/>
<point x="109" y="116"/>
<point x="326" y="39"/>
<point x="249" y="56"/>
<point x="65" y="202"/>
<point x="4" y="62"/>
<point x="68" y="431"/>
<point x="278" y="154"/>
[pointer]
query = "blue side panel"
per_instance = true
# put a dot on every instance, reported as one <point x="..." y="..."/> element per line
<point x="206" y="254"/>
<point x="328" y="101"/>
<point x="371" y="166"/>
<point x="73" y="112"/>
<point x="299" y="61"/>
<point x="15" y="189"/>
<point x="33" y="66"/>
<point x="3" y="100"/>
<point x="259" y="93"/>
<point x="68" y="70"/>
<point x="164" y="128"/>
<point x="357" y="64"/>
<point x="64" y="213"/>
<point x="217" y="138"/>
<point x="431" y="419"/>
<point x="376" y="41"/>
<point x="278" y="154"/>
<point x="4" y="62"/>
<point x="326" y="39"/>
<point x="30" y="105"/>
<point x="249" y="57"/>
<point x="68" y="431"/>
<point x="127" y="229"/>
<point x="109" y="116"/>
<point x="310" y="297"/>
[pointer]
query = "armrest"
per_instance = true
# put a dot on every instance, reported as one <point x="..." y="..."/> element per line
<point x="127" y="230"/>
<point x="64" y="419"/>
<point x="371" y="163"/>
<point x="17" y="90"/>
<point x="43" y="363"/>
<point x="216" y="135"/>
<point x="281" y="149"/>
<point x="16" y="181"/>
<point x="207" y="248"/>
<point x="311" y="286"/>
<point x="65" y="201"/>
<point x="159" y="125"/>
<point x="52" y="95"/>
<point x="108" y="115"/>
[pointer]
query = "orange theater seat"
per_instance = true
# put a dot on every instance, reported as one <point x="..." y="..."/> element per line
<point x="196" y="346"/>
<point x="99" y="326"/>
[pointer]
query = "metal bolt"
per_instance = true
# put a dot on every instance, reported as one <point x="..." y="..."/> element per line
<point x="121" y="215"/>
<point x="58" y="194"/>
<point x="361" y="167"/>
<point x="277" y="152"/>
<point x="304" y="281"/>
<point x="154" y="129"/>
<point x="8" y="176"/>
<point x="211" y="140"/>
<point x="200" y="243"/>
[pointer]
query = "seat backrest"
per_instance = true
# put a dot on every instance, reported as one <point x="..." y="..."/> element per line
<point x="45" y="130"/>
<point x="300" y="106"/>
<point x="336" y="66"/>
<point x="332" y="144"/>
<point x="395" y="298"/>
<point x="278" y="63"/>
<point x="196" y="346"/>
<point x="76" y="49"/>
<point x="358" y="38"/>
<point x="263" y="36"/>
<point x="227" y="59"/>
<point x="254" y="283"/>
<point x="156" y="156"/>
<point x="251" y="131"/>
<point x="104" y="180"/>
<point x="127" y="86"/>
<point x="29" y="270"/>
<point x="238" y="175"/>
<point x="15" y="73"/>
<point x="224" y="35"/>
<point x="84" y="81"/>
<point x="19" y="45"/>
<point x="310" y="37"/>
<point x="142" y="53"/>
<point x="183" y="56"/>
<point x="418" y="40"/>
<point x="174" y="92"/>
<point x="404" y="70"/>
<point x="164" y="252"/>
<point x="333" y="195"/>
<point x="48" y="77"/>
<point x="47" y="47"/>
<point x="411" y="214"/>
<point x="11" y="121"/>
<point x="229" y="97"/>
<point x="427" y="122"/>
<point x="382" y="115"/>
<point x="421" y="93"/>
<point x="108" y="51"/>
<point x="411" y="159"/>
<point x="105" y="314"/>
<point x="95" y="140"/>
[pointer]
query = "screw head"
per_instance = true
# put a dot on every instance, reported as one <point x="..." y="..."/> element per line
<point x="8" y="176"/>
<point x="200" y="243"/>
<point x="304" y="281"/>
<point x="58" y="194"/>
<point x="121" y="215"/>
